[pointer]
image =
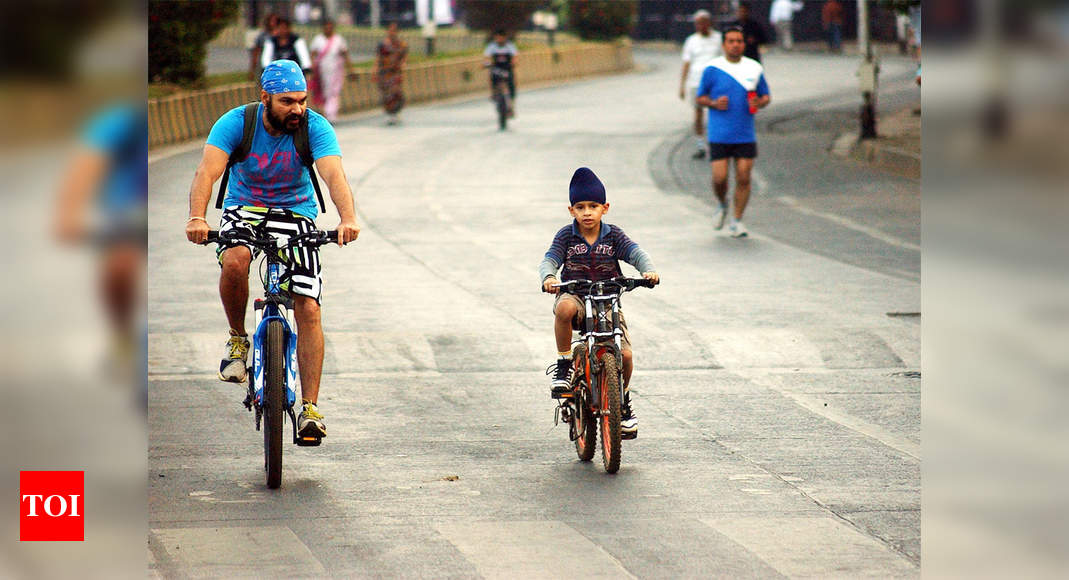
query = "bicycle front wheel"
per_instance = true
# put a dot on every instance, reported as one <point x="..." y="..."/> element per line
<point x="274" y="402"/>
<point x="610" y="413"/>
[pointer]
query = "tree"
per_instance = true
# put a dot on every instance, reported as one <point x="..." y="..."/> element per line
<point x="508" y="15"/>
<point x="178" y="35"/>
<point x="602" y="19"/>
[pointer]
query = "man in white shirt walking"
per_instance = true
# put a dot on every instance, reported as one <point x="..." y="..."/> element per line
<point x="781" y="15"/>
<point x="699" y="49"/>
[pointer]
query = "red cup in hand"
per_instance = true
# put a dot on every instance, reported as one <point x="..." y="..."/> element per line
<point x="750" y="96"/>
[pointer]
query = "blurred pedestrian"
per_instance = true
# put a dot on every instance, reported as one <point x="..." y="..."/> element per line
<point x="257" y="49"/>
<point x="781" y="15"/>
<point x="753" y="29"/>
<point x="286" y="45"/>
<point x="734" y="88"/>
<point x="330" y="56"/>
<point x="698" y="50"/>
<point x="302" y="12"/>
<point x="389" y="72"/>
<point x="103" y="201"/>
<point x="831" y="16"/>
<point x="902" y="32"/>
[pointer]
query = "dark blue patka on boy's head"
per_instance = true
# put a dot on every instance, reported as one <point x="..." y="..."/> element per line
<point x="585" y="186"/>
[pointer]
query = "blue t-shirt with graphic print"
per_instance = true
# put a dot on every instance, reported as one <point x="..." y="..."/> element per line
<point x="272" y="174"/>
<point x="597" y="261"/>
<point x="734" y="80"/>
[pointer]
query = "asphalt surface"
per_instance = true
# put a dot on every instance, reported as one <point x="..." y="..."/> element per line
<point x="779" y="402"/>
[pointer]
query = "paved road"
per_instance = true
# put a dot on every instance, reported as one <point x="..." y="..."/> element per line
<point x="780" y="412"/>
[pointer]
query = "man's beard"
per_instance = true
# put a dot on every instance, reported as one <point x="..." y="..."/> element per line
<point x="280" y="124"/>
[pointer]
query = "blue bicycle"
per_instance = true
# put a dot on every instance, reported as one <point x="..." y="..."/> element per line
<point x="274" y="344"/>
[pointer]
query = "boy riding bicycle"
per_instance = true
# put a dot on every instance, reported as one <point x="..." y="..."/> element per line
<point x="589" y="250"/>
<point x="501" y="55"/>
<point x="272" y="192"/>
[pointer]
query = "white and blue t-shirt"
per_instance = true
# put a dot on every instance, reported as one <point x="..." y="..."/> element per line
<point x="272" y="174"/>
<point x="734" y="80"/>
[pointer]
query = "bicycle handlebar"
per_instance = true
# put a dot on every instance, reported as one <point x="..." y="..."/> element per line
<point x="314" y="238"/>
<point x="623" y="283"/>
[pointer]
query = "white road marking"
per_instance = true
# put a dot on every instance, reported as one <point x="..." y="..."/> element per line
<point x="261" y="552"/>
<point x="847" y="223"/>
<point x="892" y="440"/>
<point x="814" y="547"/>
<point x="531" y="550"/>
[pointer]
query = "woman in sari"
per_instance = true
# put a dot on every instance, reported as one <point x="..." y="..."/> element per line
<point x="331" y="63"/>
<point x="389" y="72"/>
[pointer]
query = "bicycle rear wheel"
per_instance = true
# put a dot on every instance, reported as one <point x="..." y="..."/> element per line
<point x="586" y="427"/>
<point x="610" y="413"/>
<point x="274" y="402"/>
<point x="502" y="109"/>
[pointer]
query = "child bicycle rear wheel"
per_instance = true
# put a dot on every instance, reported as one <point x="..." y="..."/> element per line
<point x="274" y="402"/>
<point x="610" y="413"/>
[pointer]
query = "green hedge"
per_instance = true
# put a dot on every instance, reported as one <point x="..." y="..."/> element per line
<point x="178" y="36"/>
<point x="602" y="19"/>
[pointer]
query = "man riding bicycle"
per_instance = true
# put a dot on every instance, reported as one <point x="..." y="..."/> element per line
<point x="270" y="191"/>
<point x="500" y="55"/>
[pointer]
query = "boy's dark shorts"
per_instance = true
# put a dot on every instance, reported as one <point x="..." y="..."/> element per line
<point x="625" y="340"/>
<point x="737" y="150"/>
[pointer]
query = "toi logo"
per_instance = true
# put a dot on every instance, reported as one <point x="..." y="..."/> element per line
<point x="51" y="506"/>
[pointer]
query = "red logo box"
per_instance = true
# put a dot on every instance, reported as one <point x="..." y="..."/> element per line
<point x="51" y="506"/>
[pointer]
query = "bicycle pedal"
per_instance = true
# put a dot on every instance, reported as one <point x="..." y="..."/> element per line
<point x="564" y="395"/>
<point x="309" y="441"/>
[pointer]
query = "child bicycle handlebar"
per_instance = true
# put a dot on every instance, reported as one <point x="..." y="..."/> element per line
<point x="623" y="283"/>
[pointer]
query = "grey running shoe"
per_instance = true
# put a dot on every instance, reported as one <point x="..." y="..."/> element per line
<point x="232" y="369"/>
<point x="719" y="216"/>
<point x="738" y="230"/>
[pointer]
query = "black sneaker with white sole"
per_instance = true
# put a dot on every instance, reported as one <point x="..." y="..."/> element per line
<point x="628" y="419"/>
<point x="562" y="374"/>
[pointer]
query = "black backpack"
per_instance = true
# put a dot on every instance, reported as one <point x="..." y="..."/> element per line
<point x="241" y="152"/>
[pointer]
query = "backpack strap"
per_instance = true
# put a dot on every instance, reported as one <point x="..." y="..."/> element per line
<point x="300" y="141"/>
<point x="304" y="149"/>
<point x="241" y="151"/>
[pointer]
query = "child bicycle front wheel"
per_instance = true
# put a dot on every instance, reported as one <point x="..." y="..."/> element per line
<point x="610" y="413"/>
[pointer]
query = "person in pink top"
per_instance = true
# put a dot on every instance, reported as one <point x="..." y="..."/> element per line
<point x="330" y="58"/>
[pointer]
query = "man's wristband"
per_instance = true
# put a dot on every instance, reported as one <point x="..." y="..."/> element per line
<point x="196" y="217"/>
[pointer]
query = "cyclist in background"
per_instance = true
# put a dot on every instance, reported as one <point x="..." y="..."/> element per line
<point x="501" y="55"/>
<point x="271" y="191"/>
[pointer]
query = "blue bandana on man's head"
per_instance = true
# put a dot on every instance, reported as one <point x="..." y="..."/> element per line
<point x="283" y="76"/>
<point x="585" y="186"/>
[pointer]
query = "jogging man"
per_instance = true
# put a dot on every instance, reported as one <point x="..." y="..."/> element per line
<point x="270" y="190"/>
<point x="734" y="88"/>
